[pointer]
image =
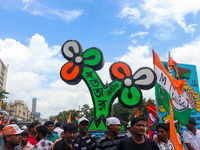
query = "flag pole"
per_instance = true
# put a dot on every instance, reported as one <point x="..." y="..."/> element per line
<point x="157" y="79"/>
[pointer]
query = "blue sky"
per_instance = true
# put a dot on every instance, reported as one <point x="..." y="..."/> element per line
<point x="33" y="31"/>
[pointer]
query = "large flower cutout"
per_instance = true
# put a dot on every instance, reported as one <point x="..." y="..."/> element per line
<point x="71" y="72"/>
<point x="130" y="94"/>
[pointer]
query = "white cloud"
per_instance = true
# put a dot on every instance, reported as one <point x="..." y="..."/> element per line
<point x="168" y="12"/>
<point x="37" y="9"/>
<point x="130" y="13"/>
<point x="115" y="32"/>
<point x="140" y="34"/>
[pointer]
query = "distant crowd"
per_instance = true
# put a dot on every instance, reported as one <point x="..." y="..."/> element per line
<point x="77" y="137"/>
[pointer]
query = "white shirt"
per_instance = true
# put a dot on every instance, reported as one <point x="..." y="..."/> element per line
<point x="58" y="130"/>
<point x="194" y="140"/>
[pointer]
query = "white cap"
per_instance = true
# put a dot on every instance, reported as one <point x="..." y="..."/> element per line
<point x="82" y="119"/>
<point x="11" y="129"/>
<point x="129" y="124"/>
<point x="112" y="120"/>
<point x="24" y="127"/>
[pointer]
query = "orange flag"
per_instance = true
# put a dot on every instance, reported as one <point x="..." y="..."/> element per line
<point x="137" y="113"/>
<point x="171" y="62"/>
<point x="69" y="118"/>
<point x="173" y="134"/>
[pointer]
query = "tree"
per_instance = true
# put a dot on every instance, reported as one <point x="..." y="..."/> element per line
<point x="2" y="97"/>
<point x="127" y="114"/>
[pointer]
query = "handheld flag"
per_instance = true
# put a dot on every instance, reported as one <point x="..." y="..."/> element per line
<point x="151" y="119"/>
<point x="168" y="87"/>
<point x="170" y="64"/>
<point x="69" y="118"/>
<point x="137" y="113"/>
<point x="76" y="118"/>
<point x="56" y="120"/>
<point x="173" y="134"/>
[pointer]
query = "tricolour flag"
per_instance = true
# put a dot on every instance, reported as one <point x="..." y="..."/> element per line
<point x="168" y="87"/>
<point x="76" y="118"/>
<point x="173" y="135"/>
<point x="69" y="120"/>
<point x="56" y="120"/>
<point x="151" y="119"/>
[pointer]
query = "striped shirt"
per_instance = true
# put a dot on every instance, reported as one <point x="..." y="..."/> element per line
<point x="105" y="143"/>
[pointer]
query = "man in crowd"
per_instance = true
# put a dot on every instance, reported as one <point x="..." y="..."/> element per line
<point x="13" y="121"/>
<point x="191" y="136"/>
<point x="11" y="137"/>
<point x="43" y="144"/>
<point x="25" y="145"/>
<point x="137" y="141"/>
<point x="163" y="140"/>
<point x="70" y="131"/>
<point x="58" y="129"/>
<point x="84" y="139"/>
<point x="51" y="136"/>
<point x="109" y="140"/>
<point x="32" y="133"/>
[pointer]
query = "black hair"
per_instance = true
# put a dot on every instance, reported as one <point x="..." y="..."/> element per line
<point x="42" y="129"/>
<point x="13" y="120"/>
<point x="32" y="125"/>
<point x="48" y="123"/>
<point x="136" y="119"/>
<point x="163" y="125"/>
<point x="25" y="133"/>
<point x="70" y="127"/>
<point x="58" y="124"/>
<point x="1" y="127"/>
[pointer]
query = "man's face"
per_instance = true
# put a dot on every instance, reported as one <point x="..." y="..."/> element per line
<point x="50" y="128"/>
<point x="83" y="126"/>
<point x="190" y="126"/>
<point x="62" y="134"/>
<point x="115" y="128"/>
<point x="24" y="140"/>
<point x="70" y="135"/>
<point x="161" y="134"/>
<point x="138" y="128"/>
<point x="14" y="140"/>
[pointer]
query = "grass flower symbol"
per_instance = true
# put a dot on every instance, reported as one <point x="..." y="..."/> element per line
<point x="130" y="94"/>
<point x="71" y="72"/>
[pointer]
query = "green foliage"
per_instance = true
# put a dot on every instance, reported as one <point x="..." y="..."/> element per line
<point x="2" y="97"/>
<point x="117" y="111"/>
<point x="127" y="114"/>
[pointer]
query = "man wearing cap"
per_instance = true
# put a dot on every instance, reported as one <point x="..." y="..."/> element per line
<point x="109" y="140"/>
<point x="84" y="140"/>
<point x="191" y="136"/>
<point x="11" y="137"/>
<point x="138" y="140"/>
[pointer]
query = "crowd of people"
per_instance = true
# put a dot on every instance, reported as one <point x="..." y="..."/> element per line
<point x="77" y="137"/>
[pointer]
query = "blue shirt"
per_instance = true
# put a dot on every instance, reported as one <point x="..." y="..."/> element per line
<point x="53" y="137"/>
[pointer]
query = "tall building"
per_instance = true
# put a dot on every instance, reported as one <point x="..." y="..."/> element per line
<point x="3" y="75"/>
<point x="34" y="113"/>
<point x="34" y="100"/>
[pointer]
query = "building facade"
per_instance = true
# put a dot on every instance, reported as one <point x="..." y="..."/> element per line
<point x="3" y="75"/>
<point x="19" y="111"/>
